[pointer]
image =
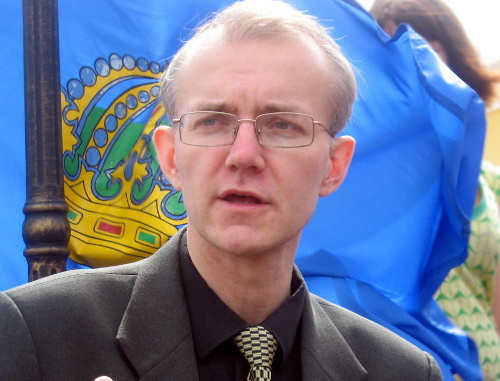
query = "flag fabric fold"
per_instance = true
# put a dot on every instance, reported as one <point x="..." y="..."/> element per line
<point x="384" y="242"/>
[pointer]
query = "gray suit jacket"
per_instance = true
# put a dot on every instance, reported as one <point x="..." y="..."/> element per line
<point x="131" y="322"/>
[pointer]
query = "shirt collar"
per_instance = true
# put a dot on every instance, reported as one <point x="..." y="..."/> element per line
<point x="213" y="322"/>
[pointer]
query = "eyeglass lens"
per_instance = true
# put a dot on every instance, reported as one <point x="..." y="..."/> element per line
<point x="274" y="129"/>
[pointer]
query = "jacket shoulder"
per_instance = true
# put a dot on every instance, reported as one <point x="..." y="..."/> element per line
<point x="95" y="284"/>
<point x="383" y="353"/>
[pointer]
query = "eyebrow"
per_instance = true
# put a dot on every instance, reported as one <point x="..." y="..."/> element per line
<point x="224" y="107"/>
<point x="214" y="106"/>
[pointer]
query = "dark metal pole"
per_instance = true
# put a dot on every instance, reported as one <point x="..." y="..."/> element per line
<point x="46" y="229"/>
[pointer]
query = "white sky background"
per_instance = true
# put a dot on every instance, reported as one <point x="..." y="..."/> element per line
<point x="481" y="21"/>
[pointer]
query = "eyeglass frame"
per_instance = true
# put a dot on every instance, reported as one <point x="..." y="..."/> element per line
<point x="238" y="122"/>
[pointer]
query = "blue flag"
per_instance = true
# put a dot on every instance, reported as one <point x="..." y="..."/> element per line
<point x="380" y="246"/>
<point x="13" y="266"/>
<point x="385" y="241"/>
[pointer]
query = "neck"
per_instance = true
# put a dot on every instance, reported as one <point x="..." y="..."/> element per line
<point x="253" y="286"/>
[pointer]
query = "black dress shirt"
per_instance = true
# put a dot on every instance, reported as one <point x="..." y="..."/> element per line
<point x="214" y="325"/>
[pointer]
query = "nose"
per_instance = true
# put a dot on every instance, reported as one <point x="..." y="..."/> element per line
<point x="246" y="151"/>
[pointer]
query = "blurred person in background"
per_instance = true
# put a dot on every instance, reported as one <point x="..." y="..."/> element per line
<point x="470" y="294"/>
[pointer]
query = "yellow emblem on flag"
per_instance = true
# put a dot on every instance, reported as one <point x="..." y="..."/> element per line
<point x="121" y="208"/>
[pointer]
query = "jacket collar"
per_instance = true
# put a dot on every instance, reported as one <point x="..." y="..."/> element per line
<point x="325" y="354"/>
<point x="155" y="333"/>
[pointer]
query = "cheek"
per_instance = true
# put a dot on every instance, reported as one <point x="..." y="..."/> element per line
<point x="305" y="179"/>
<point x="197" y="169"/>
<point x="302" y="199"/>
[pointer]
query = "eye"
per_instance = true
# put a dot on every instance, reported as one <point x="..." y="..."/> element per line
<point x="282" y="125"/>
<point x="209" y="122"/>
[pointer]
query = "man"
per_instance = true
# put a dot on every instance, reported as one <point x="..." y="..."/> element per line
<point x="256" y="98"/>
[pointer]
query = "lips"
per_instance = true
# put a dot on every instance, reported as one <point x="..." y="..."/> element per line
<point x="242" y="199"/>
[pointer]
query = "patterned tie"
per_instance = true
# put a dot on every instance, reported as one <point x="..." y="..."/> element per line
<point x="258" y="346"/>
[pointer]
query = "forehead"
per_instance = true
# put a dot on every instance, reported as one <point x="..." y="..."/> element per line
<point x="288" y="72"/>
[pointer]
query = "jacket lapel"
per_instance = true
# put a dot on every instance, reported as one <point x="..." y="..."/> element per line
<point x="325" y="354"/>
<point x="155" y="333"/>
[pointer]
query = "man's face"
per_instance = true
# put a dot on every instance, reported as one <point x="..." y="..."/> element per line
<point x="247" y="199"/>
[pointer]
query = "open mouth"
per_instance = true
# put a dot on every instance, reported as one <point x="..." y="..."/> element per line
<point x="242" y="199"/>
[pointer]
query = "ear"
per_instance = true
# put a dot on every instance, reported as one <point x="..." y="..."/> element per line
<point x="340" y="156"/>
<point x="164" y="141"/>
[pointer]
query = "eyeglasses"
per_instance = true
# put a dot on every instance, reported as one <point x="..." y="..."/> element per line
<point x="276" y="129"/>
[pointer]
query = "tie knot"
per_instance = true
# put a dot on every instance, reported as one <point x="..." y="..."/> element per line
<point x="258" y="345"/>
